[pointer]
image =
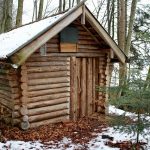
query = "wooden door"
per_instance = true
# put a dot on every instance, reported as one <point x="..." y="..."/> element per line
<point x="84" y="79"/>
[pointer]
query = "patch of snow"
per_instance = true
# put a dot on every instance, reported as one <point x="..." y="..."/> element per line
<point x="14" y="66"/>
<point x="13" y="39"/>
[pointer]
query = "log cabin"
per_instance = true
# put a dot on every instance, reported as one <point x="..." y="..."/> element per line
<point x="50" y="69"/>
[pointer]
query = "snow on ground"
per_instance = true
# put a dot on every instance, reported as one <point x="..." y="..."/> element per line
<point x="66" y="144"/>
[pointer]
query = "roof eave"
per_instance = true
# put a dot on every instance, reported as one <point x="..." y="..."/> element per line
<point x="106" y="37"/>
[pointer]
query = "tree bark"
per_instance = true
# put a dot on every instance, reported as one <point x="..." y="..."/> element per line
<point x="6" y="22"/>
<point x="130" y="27"/>
<point x="19" y="13"/>
<point x="40" y="9"/>
<point x="60" y="6"/>
<point x="121" y="43"/>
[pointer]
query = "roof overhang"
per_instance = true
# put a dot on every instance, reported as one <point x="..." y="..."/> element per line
<point x="20" y="55"/>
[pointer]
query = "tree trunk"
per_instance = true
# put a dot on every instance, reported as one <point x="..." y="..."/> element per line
<point x="108" y="16"/>
<point x="78" y="1"/>
<point x="121" y="43"/>
<point x="6" y="22"/>
<point x="60" y="6"/>
<point x="34" y="17"/>
<point x="19" y="13"/>
<point x="40" y="9"/>
<point x="130" y="27"/>
<point x="64" y="5"/>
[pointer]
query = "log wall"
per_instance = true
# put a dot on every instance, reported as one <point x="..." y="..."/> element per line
<point x="9" y="92"/>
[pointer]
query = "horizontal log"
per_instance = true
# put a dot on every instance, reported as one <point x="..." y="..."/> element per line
<point x="51" y="45"/>
<point x="98" y="54"/>
<point x="6" y="97"/>
<point x="47" y="86"/>
<point x="6" y="103"/>
<point x="48" y="115"/>
<point x="87" y="42"/>
<point x="48" y="103"/>
<point x="23" y="110"/>
<point x="49" y="64"/>
<point x="48" y="91"/>
<point x="7" y="71"/>
<point x="47" y="109"/>
<point x="5" y="87"/>
<point x="50" y="50"/>
<point x="84" y="33"/>
<point x="8" y="89"/>
<point x="83" y="37"/>
<point x="37" y="58"/>
<point x="4" y="82"/>
<point x="48" y="74"/>
<point x="89" y="47"/>
<point x="49" y="97"/>
<point x="49" y="121"/>
<point x="53" y="40"/>
<point x="25" y="125"/>
<point x="13" y="83"/>
<point x="12" y="77"/>
<point x="25" y="118"/>
<point x="15" y="121"/>
<point x="48" y="81"/>
<point x="47" y="69"/>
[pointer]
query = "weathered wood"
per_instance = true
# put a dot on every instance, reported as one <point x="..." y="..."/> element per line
<point x="25" y="125"/>
<point x="48" y="103"/>
<point x="37" y="58"/>
<point x="83" y="15"/>
<point x="90" y="47"/>
<point x="89" y="87"/>
<point x="47" y="109"/>
<point x="86" y="54"/>
<point x="25" y="118"/>
<point x="67" y="47"/>
<point x="78" y="103"/>
<point x="48" y="91"/>
<point x="48" y="81"/>
<point x="49" y="97"/>
<point x="73" y="86"/>
<point x="47" y="69"/>
<point x="94" y="84"/>
<point x="48" y="74"/>
<point x="48" y="121"/>
<point x="83" y="88"/>
<point x="6" y="103"/>
<point x="48" y="86"/>
<point x="50" y="115"/>
<point x="52" y="63"/>
<point x="23" y="110"/>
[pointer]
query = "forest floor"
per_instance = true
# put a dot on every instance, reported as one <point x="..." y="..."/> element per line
<point x="84" y="134"/>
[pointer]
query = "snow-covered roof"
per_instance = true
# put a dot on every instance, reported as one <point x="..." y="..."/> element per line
<point x="13" y="39"/>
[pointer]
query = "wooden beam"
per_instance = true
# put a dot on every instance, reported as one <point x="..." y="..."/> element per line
<point x="83" y="15"/>
<point x="101" y="31"/>
<point x="85" y="54"/>
<point x="20" y="57"/>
